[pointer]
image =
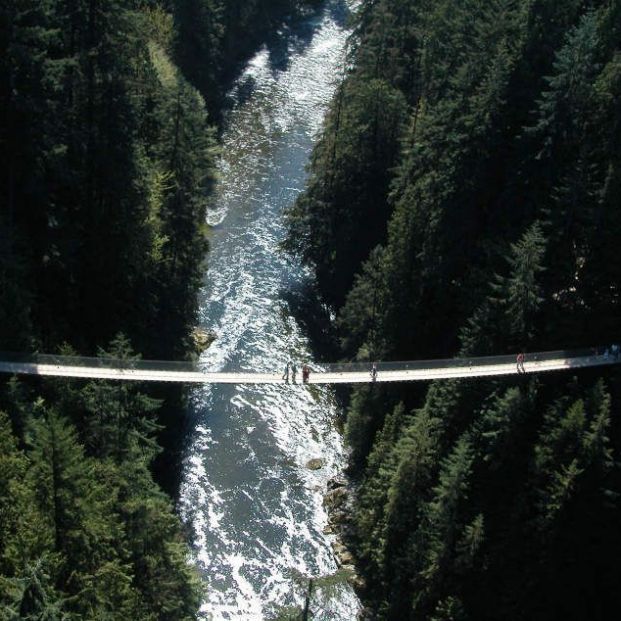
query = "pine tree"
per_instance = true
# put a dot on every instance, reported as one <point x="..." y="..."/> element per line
<point x="118" y="419"/>
<point x="443" y="525"/>
<point x="508" y="317"/>
<point x="501" y="237"/>
<point x="74" y="503"/>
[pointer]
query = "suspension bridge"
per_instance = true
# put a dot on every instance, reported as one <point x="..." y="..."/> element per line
<point x="343" y="373"/>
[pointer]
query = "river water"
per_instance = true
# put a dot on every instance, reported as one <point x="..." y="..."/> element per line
<point x="247" y="495"/>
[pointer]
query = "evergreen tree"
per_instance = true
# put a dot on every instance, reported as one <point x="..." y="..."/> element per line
<point x="118" y="420"/>
<point x="75" y="505"/>
<point x="500" y="236"/>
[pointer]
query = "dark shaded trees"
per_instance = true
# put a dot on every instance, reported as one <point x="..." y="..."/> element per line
<point x="214" y="36"/>
<point x="497" y="233"/>
<point x="106" y="155"/>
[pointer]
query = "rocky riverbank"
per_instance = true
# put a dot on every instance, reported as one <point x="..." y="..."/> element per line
<point x="338" y="503"/>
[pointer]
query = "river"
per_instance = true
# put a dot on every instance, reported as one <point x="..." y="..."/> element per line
<point x="253" y="506"/>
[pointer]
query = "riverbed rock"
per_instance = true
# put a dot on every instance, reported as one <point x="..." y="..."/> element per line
<point x="315" y="464"/>
<point x="342" y="554"/>
<point x="202" y="338"/>
<point x="358" y="583"/>
<point x="338" y="518"/>
<point x="336" y="482"/>
<point x="335" y="499"/>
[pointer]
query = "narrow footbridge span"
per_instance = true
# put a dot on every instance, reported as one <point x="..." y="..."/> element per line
<point x="343" y="373"/>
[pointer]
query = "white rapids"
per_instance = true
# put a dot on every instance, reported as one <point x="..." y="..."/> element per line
<point x="254" y="508"/>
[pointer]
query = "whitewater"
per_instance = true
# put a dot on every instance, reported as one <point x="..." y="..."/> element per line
<point x="253" y="507"/>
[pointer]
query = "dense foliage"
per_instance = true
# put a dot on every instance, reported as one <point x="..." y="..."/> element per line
<point x="85" y="532"/>
<point x="464" y="200"/>
<point x="105" y="150"/>
<point x="106" y="158"/>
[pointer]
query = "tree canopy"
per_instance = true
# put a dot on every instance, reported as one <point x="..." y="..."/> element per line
<point x="488" y="224"/>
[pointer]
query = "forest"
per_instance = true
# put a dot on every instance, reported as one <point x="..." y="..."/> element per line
<point x="108" y="141"/>
<point x="463" y="200"/>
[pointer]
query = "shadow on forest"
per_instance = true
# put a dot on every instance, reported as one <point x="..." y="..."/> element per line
<point x="297" y="33"/>
<point x="292" y="38"/>
<point x="304" y="304"/>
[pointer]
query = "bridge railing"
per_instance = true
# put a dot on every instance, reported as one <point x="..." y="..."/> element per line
<point x="100" y="362"/>
<point x="601" y="354"/>
<point x="590" y="353"/>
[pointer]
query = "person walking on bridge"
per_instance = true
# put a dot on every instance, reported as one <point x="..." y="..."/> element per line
<point x="374" y="372"/>
<point x="305" y="373"/>
<point x="294" y="371"/>
<point x="520" y="363"/>
<point x="286" y="374"/>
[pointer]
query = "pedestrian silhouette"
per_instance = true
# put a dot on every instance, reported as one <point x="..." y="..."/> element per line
<point x="374" y="372"/>
<point x="520" y="363"/>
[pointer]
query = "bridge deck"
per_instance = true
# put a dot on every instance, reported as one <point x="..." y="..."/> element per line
<point x="477" y="367"/>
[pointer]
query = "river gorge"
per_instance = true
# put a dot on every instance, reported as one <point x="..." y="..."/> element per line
<point x="253" y="506"/>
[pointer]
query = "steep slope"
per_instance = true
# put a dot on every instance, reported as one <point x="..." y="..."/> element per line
<point x="488" y="135"/>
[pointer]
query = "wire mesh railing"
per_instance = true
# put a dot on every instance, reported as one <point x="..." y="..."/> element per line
<point x="99" y="362"/>
<point x="590" y="356"/>
<point x="601" y="354"/>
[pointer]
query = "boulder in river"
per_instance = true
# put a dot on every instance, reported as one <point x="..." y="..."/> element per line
<point x="338" y="518"/>
<point x="202" y="338"/>
<point x="335" y="482"/>
<point x="358" y="583"/>
<point x="342" y="554"/>
<point x="315" y="464"/>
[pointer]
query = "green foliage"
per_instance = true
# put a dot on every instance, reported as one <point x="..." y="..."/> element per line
<point x="106" y="154"/>
<point x="508" y="316"/>
<point x="87" y="533"/>
<point x="497" y="231"/>
<point x="116" y="420"/>
<point x="89" y="127"/>
<point x="570" y="449"/>
<point x="360" y="143"/>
